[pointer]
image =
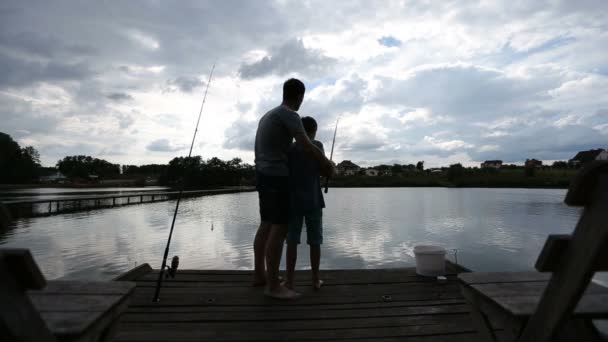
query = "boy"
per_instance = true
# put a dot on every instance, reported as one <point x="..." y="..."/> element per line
<point x="305" y="204"/>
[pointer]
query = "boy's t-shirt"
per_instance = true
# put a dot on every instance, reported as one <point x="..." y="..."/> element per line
<point x="304" y="180"/>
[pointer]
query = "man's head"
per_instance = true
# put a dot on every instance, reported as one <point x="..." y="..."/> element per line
<point x="293" y="93"/>
<point x="310" y="126"/>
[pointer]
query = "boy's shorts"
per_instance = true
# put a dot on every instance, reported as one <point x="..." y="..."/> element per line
<point x="314" y="227"/>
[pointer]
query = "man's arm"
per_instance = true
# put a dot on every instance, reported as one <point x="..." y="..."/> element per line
<point x="327" y="168"/>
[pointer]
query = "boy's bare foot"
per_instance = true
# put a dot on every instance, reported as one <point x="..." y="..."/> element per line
<point x="288" y="284"/>
<point x="317" y="284"/>
<point x="282" y="293"/>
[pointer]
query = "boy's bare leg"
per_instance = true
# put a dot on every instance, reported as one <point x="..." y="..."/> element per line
<point x="315" y="260"/>
<point x="259" y="250"/>
<point x="292" y="256"/>
<point x="274" y="249"/>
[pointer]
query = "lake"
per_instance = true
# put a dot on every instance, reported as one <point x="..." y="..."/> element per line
<point x="491" y="229"/>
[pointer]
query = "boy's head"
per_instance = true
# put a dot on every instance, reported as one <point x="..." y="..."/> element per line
<point x="310" y="126"/>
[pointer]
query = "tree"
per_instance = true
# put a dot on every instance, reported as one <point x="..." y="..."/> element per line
<point x="83" y="166"/>
<point x="455" y="171"/>
<point x="420" y="165"/>
<point x="17" y="165"/>
<point x="560" y="165"/>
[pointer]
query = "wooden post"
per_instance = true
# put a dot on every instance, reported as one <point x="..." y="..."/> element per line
<point x="19" y="318"/>
<point x="570" y="280"/>
<point x="128" y="200"/>
<point x="50" y="206"/>
<point x="113" y="201"/>
<point x="141" y="199"/>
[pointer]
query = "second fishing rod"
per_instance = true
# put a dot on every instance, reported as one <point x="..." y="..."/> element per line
<point x="175" y="261"/>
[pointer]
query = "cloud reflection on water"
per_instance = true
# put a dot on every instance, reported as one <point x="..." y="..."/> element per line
<point x="493" y="229"/>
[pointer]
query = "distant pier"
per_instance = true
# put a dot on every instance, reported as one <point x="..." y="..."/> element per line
<point x="60" y="205"/>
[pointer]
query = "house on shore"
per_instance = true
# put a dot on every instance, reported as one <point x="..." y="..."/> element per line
<point x="347" y="168"/>
<point x="494" y="164"/>
<point x="55" y="177"/>
<point x="533" y="163"/>
<point x="585" y="157"/>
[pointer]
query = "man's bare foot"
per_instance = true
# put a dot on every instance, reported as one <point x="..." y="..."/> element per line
<point x="282" y="293"/>
<point x="317" y="284"/>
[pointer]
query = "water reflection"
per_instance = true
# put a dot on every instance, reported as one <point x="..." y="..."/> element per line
<point x="493" y="229"/>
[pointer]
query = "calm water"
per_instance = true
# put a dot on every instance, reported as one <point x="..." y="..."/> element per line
<point x="493" y="229"/>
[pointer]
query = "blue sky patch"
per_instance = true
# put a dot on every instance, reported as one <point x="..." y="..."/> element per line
<point x="389" y="41"/>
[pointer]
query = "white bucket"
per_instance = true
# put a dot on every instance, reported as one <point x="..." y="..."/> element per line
<point x="430" y="260"/>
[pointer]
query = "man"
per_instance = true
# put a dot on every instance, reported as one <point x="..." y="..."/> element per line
<point x="274" y="136"/>
<point x="306" y="204"/>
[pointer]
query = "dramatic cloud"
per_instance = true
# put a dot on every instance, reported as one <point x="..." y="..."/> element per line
<point x="443" y="82"/>
<point x="162" y="145"/>
<point x="291" y="57"/>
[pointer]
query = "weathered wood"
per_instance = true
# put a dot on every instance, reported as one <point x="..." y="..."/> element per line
<point x="134" y="273"/>
<point x="570" y="280"/>
<point x="279" y="308"/>
<point x="583" y="186"/>
<point x="555" y="248"/>
<point x="21" y="265"/>
<point x="502" y="277"/>
<point x="318" y="335"/>
<point x="295" y="324"/>
<point x="81" y="310"/>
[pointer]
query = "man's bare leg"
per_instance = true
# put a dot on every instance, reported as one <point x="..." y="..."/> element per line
<point x="259" y="250"/>
<point x="292" y="256"/>
<point x="315" y="260"/>
<point x="274" y="249"/>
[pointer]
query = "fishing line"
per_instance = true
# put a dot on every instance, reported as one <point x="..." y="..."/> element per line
<point x="175" y="260"/>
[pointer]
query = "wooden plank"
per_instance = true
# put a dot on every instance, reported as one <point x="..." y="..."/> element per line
<point x="268" y="314"/>
<point x="260" y="300"/>
<point x="319" y="335"/>
<point x="85" y="287"/>
<point x="302" y="325"/>
<point x="71" y="302"/>
<point x="502" y="277"/>
<point x="535" y="288"/>
<point x="555" y="248"/>
<point x="20" y="263"/>
<point x="134" y="273"/>
<point x="252" y="308"/>
<point x="569" y="281"/>
<point x="590" y="306"/>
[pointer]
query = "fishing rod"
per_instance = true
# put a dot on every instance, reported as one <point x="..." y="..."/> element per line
<point x="331" y="155"/>
<point x="175" y="260"/>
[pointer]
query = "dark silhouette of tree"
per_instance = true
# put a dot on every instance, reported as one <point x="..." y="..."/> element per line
<point x="196" y="173"/>
<point x="84" y="166"/>
<point x="455" y="171"/>
<point x="420" y="165"/>
<point x="17" y="165"/>
<point x="560" y="165"/>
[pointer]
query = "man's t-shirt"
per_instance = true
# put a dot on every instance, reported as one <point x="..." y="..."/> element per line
<point x="274" y="136"/>
<point x="304" y="180"/>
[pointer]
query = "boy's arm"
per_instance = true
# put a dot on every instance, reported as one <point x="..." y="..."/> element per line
<point x="327" y="168"/>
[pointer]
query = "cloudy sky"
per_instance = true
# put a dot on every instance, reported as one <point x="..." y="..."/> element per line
<point x="440" y="81"/>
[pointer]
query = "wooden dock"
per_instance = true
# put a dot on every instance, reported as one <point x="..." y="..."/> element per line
<point x="60" y="205"/>
<point x="363" y="305"/>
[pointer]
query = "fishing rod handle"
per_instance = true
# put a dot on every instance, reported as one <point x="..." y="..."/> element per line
<point x="326" y="184"/>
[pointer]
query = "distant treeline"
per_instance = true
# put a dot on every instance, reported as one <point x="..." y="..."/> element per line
<point x="458" y="176"/>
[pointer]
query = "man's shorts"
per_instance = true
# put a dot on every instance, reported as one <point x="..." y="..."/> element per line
<point x="314" y="227"/>
<point x="273" y="192"/>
